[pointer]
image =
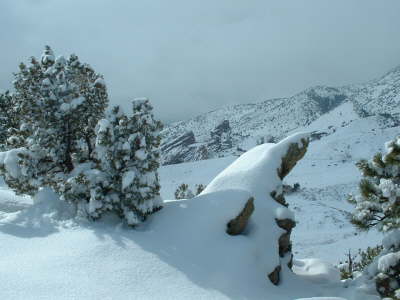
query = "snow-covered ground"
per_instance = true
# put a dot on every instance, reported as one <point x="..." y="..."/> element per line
<point x="182" y="253"/>
<point x="327" y="175"/>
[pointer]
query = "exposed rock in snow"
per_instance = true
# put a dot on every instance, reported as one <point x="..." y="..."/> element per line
<point x="183" y="148"/>
<point x="259" y="172"/>
<point x="238" y="225"/>
<point x="220" y="137"/>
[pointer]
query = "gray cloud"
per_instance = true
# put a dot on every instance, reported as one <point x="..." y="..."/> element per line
<point x="193" y="56"/>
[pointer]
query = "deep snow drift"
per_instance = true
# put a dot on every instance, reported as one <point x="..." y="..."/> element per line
<point x="182" y="252"/>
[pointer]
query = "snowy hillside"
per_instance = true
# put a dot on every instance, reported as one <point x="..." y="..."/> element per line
<point x="44" y="250"/>
<point x="183" y="251"/>
<point x="326" y="175"/>
<point x="250" y="122"/>
<point x="274" y="119"/>
<point x="379" y="96"/>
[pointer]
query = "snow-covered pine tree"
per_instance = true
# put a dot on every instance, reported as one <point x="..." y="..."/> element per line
<point x="59" y="102"/>
<point x="183" y="192"/>
<point x="89" y="190"/>
<point x="8" y="119"/>
<point x="378" y="204"/>
<point x="146" y="193"/>
<point x="91" y="87"/>
<point x="127" y="148"/>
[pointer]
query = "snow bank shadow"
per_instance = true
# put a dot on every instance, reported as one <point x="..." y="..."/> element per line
<point x="110" y="227"/>
<point x="190" y="237"/>
<point x="24" y="225"/>
<point x="9" y="202"/>
<point x="41" y="219"/>
<point x="177" y="237"/>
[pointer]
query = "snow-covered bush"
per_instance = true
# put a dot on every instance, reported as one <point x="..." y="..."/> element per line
<point x="200" y="188"/>
<point x="377" y="205"/>
<point x="288" y="189"/>
<point x="356" y="263"/>
<point x="184" y="192"/>
<point x="266" y="139"/>
<point x="383" y="271"/>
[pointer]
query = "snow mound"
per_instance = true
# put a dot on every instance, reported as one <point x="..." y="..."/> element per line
<point x="46" y="214"/>
<point x="256" y="170"/>
<point x="256" y="173"/>
<point x="387" y="261"/>
<point x="316" y="270"/>
<point x="9" y="202"/>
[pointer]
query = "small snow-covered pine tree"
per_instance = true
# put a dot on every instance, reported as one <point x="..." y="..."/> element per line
<point x="127" y="149"/>
<point x="378" y="204"/>
<point x="183" y="192"/>
<point x="146" y="195"/>
<point x="114" y="151"/>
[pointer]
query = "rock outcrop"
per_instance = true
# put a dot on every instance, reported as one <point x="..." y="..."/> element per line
<point x="221" y="137"/>
<point x="183" y="148"/>
<point x="294" y="153"/>
<point x="237" y="225"/>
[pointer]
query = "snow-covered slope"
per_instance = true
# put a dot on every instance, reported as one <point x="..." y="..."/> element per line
<point x="183" y="251"/>
<point x="276" y="118"/>
<point x="379" y="96"/>
<point x="327" y="174"/>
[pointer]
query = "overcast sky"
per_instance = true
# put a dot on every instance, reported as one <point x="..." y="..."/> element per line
<point x="192" y="56"/>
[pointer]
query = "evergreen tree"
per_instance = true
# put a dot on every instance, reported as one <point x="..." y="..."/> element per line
<point x="127" y="149"/>
<point x="60" y="101"/>
<point x="146" y="193"/>
<point x="378" y="204"/>
<point x="183" y="192"/>
<point x="8" y="119"/>
<point x="200" y="188"/>
<point x="88" y="189"/>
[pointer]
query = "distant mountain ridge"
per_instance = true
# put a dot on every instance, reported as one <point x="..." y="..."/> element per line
<point x="273" y="119"/>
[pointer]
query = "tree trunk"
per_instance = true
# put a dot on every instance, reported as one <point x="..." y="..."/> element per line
<point x="68" y="148"/>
